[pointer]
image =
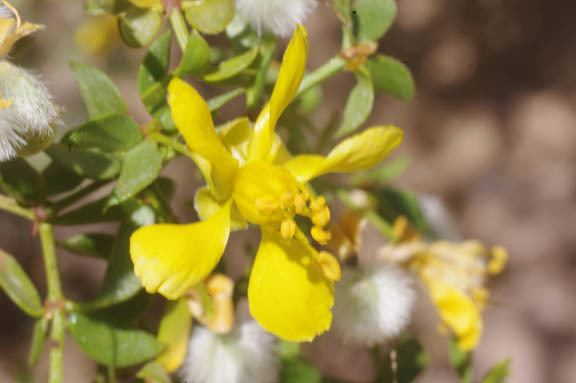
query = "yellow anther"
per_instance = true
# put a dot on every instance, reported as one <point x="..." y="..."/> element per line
<point x="320" y="235"/>
<point x="300" y="203"/>
<point x="322" y="217"/>
<point x="330" y="266"/>
<point x="288" y="228"/>
<point x="498" y="260"/>
<point x="266" y="205"/>
<point x="318" y="204"/>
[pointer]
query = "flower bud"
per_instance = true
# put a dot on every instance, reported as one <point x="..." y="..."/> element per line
<point x="28" y="116"/>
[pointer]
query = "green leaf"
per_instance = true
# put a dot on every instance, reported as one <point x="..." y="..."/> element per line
<point x="209" y="16"/>
<point x="156" y="63"/>
<point x="359" y="105"/>
<point x="195" y="57"/>
<point x="297" y="370"/>
<point x="461" y="361"/>
<point x="499" y="373"/>
<point x="18" y="286"/>
<point x="342" y="9"/>
<point x="221" y="100"/>
<point x="98" y="92"/>
<point x="57" y="179"/>
<point x="138" y="27"/>
<point x="141" y="167"/>
<point x="152" y="76"/>
<point x="392" y="77"/>
<point x="111" y="345"/>
<point x="374" y="18"/>
<point x="115" y="133"/>
<point x="120" y="283"/>
<point x="93" y="212"/>
<point x="153" y="373"/>
<point x="411" y="360"/>
<point x="38" y="339"/>
<point x="393" y="203"/>
<point x="233" y="66"/>
<point x="93" y="245"/>
<point x="20" y="181"/>
<point x="89" y="163"/>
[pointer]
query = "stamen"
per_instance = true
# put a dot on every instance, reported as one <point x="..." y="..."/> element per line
<point x="288" y="228"/>
<point x="300" y="203"/>
<point x="321" y="218"/>
<point x="330" y="266"/>
<point x="318" y="204"/>
<point x="320" y="235"/>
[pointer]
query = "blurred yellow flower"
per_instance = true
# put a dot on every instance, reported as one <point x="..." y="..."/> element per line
<point x="455" y="275"/>
<point x="251" y="178"/>
<point x="97" y="35"/>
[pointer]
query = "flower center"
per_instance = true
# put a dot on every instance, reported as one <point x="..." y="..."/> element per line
<point x="268" y="195"/>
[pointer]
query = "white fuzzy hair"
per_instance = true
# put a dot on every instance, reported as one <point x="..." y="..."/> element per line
<point x="247" y="354"/>
<point x="276" y="16"/>
<point x="32" y="114"/>
<point x="373" y="304"/>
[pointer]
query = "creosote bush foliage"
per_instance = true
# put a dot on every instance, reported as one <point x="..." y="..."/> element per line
<point x="316" y="267"/>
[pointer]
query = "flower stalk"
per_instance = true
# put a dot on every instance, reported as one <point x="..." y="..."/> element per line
<point x="179" y="27"/>
<point x="11" y="206"/>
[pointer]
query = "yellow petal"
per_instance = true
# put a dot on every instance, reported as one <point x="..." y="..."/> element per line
<point x="171" y="259"/>
<point x="458" y="312"/>
<point x="173" y="332"/>
<point x="206" y="205"/>
<point x="285" y="89"/>
<point x="194" y="121"/>
<point x="235" y="136"/>
<point x="288" y="293"/>
<point x="359" y="152"/>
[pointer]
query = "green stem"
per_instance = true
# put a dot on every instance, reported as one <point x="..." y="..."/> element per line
<point x="165" y="140"/>
<point x="11" y="206"/>
<point x="179" y="27"/>
<point x="329" y="69"/>
<point x="55" y="302"/>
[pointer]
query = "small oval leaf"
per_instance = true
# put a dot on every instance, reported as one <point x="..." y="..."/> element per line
<point x="233" y="66"/>
<point x="89" y="163"/>
<point x="374" y="18"/>
<point x="392" y="77"/>
<point x="99" y="93"/>
<point x="18" y="286"/>
<point x="209" y="16"/>
<point x="110" y="345"/>
<point x="359" y="104"/>
<point x="141" y="167"/>
<point x="115" y="133"/>
<point x="138" y="27"/>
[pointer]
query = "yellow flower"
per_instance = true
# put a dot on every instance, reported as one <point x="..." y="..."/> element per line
<point x="252" y="179"/>
<point x="12" y="28"/>
<point x="455" y="275"/>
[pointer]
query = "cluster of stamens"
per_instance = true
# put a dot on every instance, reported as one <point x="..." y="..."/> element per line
<point x="303" y="204"/>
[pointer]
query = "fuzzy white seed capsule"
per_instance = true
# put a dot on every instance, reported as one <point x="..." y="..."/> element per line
<point x="28" y="116"/>
<point x="276" y="16"/>
<point x="247" y="354"/>
<point x="373" y="305"/>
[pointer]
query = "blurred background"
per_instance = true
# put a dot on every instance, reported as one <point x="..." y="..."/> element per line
<point x="491" y="132"/>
